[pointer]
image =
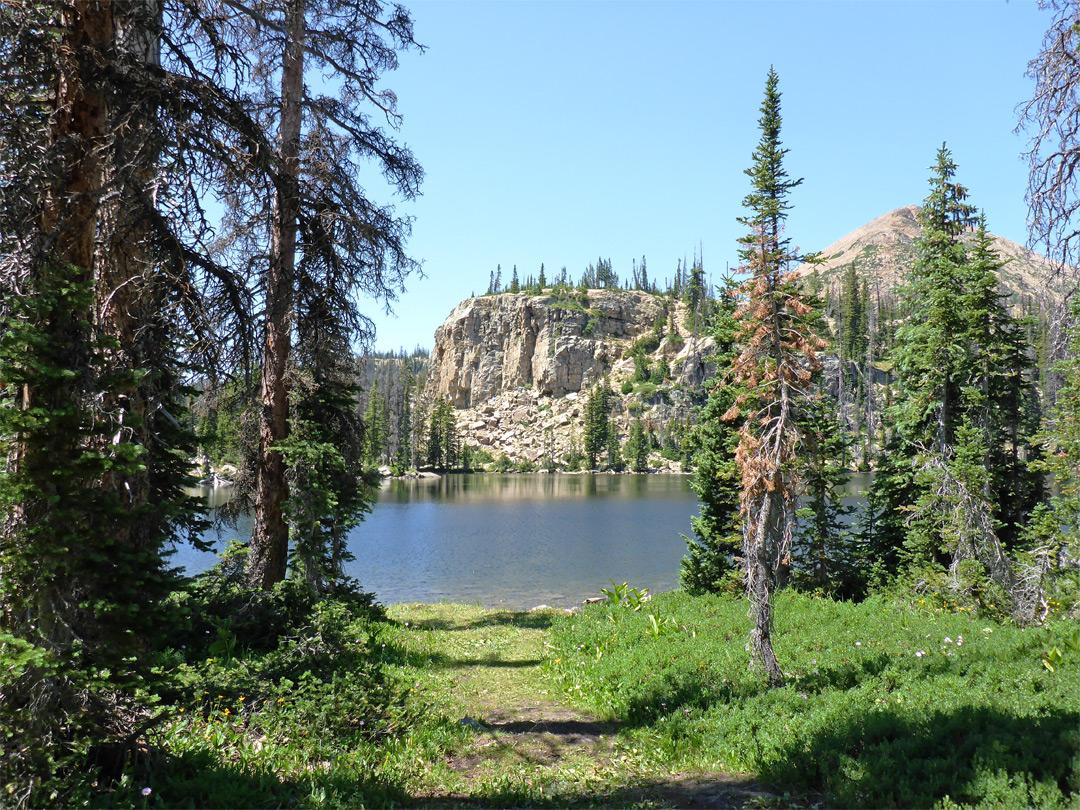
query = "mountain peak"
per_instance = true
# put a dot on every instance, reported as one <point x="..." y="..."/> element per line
<point x="884" y="249"/>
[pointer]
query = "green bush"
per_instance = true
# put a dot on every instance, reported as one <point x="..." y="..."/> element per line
<point x="627" y="387"/>
<point x="646" y="344"/>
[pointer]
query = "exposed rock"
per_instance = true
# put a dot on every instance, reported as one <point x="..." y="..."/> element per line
<point x="496" y="343"/>
<point x="518" y="367"/>
<point x="884" y="248"/>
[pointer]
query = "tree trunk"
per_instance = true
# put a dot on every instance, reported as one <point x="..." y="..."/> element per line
<point x="270" y="536"/>
<point x="760" y="585"/>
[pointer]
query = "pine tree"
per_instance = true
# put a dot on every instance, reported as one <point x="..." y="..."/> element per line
<point x="956" y="466"/>
<point x="405" y="454"/>
<point x="999" y="392"/>
<point x="373" y="427"/>
<point x="515" y="284"/>
<point x="614" y="454"/>
<point x="328" y="444"/>
<point x="776" y="365"/>
<point x="820" y="552"/>
<point x="636" y="451"/>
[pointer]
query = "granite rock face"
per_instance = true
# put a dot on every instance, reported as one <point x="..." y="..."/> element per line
<point x="501" y="342"/>
<point x="518" y="368"/>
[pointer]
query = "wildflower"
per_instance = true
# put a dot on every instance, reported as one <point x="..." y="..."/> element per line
<point x="181" y="710"/>
<point x="948" y="640"/>
<point x="226" y="712"/>
<point x="281" y="700"/>
<point x="146" y="791"/>
<point x="920" y="653"/>
<point x="241" y="698"/>
<point x="858" y="643"/>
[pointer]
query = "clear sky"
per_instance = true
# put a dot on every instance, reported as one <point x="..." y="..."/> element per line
<point x="560" y="132"/>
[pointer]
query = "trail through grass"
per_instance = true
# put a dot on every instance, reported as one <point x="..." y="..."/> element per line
<point x="529" y="744"/>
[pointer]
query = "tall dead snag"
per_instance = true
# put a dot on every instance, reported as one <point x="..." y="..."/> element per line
<point x="776" y="367"/>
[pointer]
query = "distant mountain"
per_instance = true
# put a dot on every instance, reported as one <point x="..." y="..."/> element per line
<point x="884" y="249"/>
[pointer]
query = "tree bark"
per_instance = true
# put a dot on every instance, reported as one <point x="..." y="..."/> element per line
<point x="270" y="536"/>
<point x="760" y="586"/>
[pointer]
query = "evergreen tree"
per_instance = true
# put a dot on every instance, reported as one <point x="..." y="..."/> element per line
<point x="596" y="426"/>
<point x="515" y="284"/>
<point x="542" y="281"/>
<point x="329" y="492"/>
<point x="405" y="454"/>
<point x="614" y="454"/>
<point x="776" y="364"/>
<point x="373" y="427"/>
<point x="957" y="466"/>
<point x="999" y="393"/>
<point x="636" y="451"/>
<point x="821" y="550"/>
<point x="930" y="358"/>
<point x="710" y="564"/>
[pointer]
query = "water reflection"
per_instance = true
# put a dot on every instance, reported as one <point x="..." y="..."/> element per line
<point x="512" y="540"/>
<point x="492" y="487"/>
<point x="516" y="540"/>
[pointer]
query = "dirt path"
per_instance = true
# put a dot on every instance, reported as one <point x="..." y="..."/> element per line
<point x="528" y="745"/>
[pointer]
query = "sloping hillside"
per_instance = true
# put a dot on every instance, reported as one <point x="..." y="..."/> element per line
<point x="884" y="249"/>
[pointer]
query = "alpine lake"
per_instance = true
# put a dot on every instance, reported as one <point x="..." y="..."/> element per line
<point x="514" y="541"/>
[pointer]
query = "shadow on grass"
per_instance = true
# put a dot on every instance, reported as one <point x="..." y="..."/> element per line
<point x="675" y="792"/>
<point x="530" y="620"/>
<point x="972" y="755"/>
<point x="200" y="780"/>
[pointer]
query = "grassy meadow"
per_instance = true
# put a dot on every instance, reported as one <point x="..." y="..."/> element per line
<point x="344" y="704"/>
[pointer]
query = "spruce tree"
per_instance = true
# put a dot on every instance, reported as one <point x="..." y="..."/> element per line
<point x="597" y="426"/>
<point x="710" y="564"/>
<point x="776" y="365"/>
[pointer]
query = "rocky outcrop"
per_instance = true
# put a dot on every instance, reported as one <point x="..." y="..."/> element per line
<point x="500" y="342"/>
<point x="518" y="367"/>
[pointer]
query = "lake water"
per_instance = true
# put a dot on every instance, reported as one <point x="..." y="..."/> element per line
<point x="513" y="540"/>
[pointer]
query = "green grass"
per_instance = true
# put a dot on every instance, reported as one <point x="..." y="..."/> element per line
<point x="883" y="707"/>
<point x="338" y="704"/>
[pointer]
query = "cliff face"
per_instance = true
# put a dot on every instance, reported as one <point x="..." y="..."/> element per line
<point x="501" y="342"/>
<point x="518" y="367"/>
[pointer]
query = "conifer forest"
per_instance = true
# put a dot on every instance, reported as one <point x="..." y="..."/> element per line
<point x="192" y="246"/>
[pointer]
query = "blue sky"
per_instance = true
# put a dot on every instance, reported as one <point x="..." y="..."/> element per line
<point x="560" y="132"/>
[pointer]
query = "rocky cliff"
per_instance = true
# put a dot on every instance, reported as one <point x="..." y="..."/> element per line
<point x="517" y="366"/>
<point x="500" y="342"/>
